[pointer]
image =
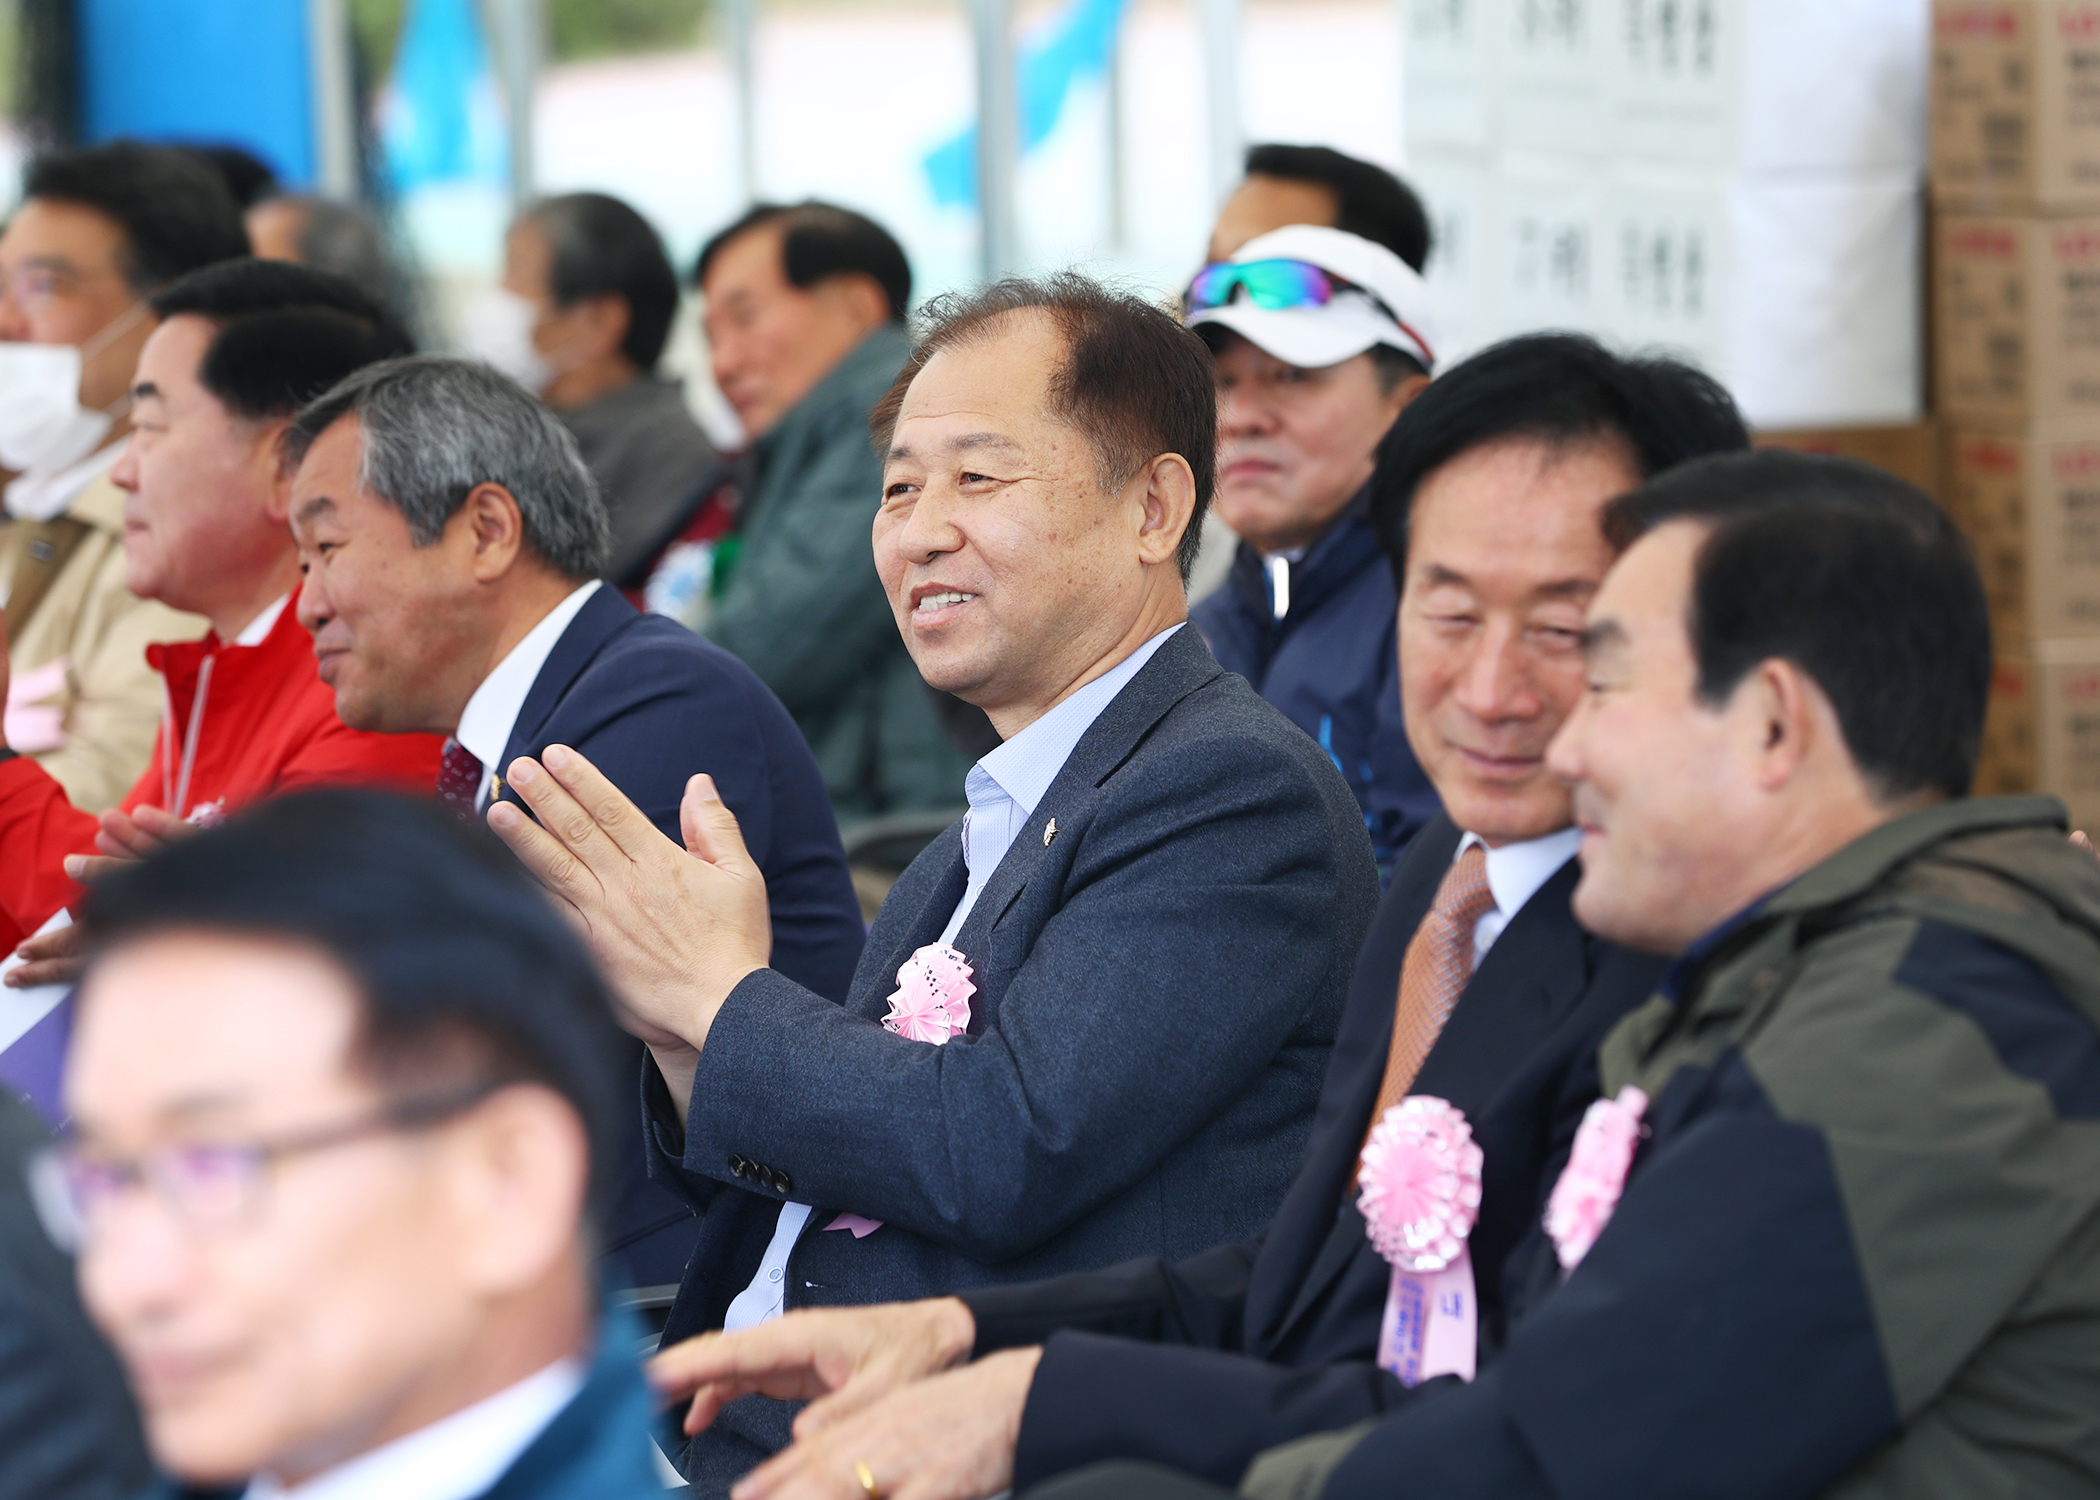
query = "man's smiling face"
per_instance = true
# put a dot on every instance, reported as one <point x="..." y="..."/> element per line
<point x="1010" y="569"/>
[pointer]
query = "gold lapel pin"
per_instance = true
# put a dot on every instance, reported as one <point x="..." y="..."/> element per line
<point x="495" y="786"/>
<point x="1049" y="832"/>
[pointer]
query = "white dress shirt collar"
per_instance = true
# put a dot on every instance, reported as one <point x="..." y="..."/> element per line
<point x="1514" y="874"/>
<point x="258" y="629"/>
<point x="1004" y="788"/>
<point x="492" y="712"/>
<point x="454" y="1458"/>
<point x="44" y="497"/>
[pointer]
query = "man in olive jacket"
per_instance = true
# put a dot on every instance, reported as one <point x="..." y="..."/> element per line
<point x="804" y="317"/>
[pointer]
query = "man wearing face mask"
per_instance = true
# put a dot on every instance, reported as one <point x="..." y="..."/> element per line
<point x="99" y="231"/>
<point x="1321" y="339"/>
<point x="581" y="319"/>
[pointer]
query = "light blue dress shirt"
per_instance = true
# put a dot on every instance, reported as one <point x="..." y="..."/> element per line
<point x="1003" y="790"/>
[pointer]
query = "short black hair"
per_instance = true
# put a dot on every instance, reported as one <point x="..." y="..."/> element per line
<point x="1136" y="382"/>
<point x="1557" y="388"/>
<point x="821" y="240"/>
<point x="176" y="212"/>
<point x="466" y="974"/>
<point x="1369" y="201"/>
<point x="286" y="332"/>
<point x="247" y="176"/>
<point x="1856" y="577"/>
<point x="601" y="247"/>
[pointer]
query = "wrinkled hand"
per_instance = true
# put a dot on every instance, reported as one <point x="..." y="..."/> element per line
<point x="948" y="1437"/>
<point x="675" y="929"/>
<point x="52" y="957"/>
<point x="839" y="1360"/>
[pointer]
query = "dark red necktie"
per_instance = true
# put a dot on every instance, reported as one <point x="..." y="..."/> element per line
<point x="459" y="778"/>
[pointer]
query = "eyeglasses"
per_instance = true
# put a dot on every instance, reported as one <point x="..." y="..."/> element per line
<point x="210" y="1185"/>
<point x="35" y="287"/>
<point x="1280" y="285"/>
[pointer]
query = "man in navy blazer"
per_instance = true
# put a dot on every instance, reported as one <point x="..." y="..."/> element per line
<point x="1203" y="1363"/>
<point x="451" y="539"/>
<point x="1158" y="892"/>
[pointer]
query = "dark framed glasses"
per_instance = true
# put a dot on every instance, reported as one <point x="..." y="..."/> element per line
<point x="209" y="1185"/>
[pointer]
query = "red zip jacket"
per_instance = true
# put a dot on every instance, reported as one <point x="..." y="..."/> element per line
<point x="242" y="722"/>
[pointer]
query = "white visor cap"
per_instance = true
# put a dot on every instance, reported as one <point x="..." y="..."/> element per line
<point x="1315" y="337"/>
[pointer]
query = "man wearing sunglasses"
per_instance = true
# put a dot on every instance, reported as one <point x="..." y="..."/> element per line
<point x="1321" y="339"/>
<point x="344" y="1094"/>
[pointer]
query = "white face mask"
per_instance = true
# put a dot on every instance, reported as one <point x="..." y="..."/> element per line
<point x="43" y="426"/>
<point x="497" y="329"/>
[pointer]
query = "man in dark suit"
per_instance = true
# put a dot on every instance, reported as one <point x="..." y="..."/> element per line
<point x="1475" y="987"/>
<point x="452" y="539"/>
<point x="1158" y="891"/>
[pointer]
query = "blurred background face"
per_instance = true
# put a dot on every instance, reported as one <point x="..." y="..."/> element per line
<point x="199" y="480"/>
<point x="1504" y="553"/>
<point x="1009" y="569"/>
<point x="562" y="336"/>
<point x="62" y="282"/>
<point x="1295" y="445"/>
<point x="772" y="342"/>
<point x="283" y="1330"/>
<point x="390" y="620"/>
<point x="1664" y="790"/>
<point x="1262" y="203"/>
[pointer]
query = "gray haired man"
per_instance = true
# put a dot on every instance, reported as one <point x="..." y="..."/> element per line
<point x="451" y="539"/>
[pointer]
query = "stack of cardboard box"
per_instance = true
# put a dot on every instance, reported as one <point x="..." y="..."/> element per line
<point x="2016" y="314"/>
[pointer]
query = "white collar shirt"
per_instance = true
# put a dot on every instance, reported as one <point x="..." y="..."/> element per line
<point x="1004" y="788"/>
<point x="44" y="497"/>
<point x="455" y="1457"/>
<point x="259" y="628"/>
<point x="1514" y="874"/>
<point x="485" y="724"/>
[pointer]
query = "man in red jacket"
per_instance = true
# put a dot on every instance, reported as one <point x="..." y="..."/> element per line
<point x="240" y="347"/>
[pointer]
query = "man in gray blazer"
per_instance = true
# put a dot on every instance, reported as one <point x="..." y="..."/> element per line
<point x="1152" y="908"/>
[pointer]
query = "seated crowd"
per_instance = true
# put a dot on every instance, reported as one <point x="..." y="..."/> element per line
<point x="1506" y="994"/>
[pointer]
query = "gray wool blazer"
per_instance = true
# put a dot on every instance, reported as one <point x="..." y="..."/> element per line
<point x="1158" y="987"/>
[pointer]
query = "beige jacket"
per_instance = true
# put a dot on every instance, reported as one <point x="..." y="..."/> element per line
<point x="110" y="700"/>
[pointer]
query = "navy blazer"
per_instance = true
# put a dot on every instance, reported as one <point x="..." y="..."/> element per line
<point x="651" y="704"/>
<point x="1159" y="982"/>
<point x="1203" y="1364"/>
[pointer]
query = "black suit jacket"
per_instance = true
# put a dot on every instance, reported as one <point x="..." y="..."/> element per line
<point x="1158" y="987"/>
<point x="651" y="704"/>
<point x="1205" y="1363"/>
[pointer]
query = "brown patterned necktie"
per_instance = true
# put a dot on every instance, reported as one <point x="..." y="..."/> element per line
<point x="1434" y="973"/>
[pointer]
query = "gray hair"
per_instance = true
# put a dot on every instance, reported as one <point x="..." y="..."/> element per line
<point x="435" y="427"/>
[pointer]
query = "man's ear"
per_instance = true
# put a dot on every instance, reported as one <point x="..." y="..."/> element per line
<point x="603" y="322"/>
<point x="1404" y="392"/>
<point x="1168" y="507"/>
<point x="517" y="1173"/>
<point x="1788" y="714"/>
<point x="491" y="515"/>
<point x="275" y="473"/>
<point x="858" y="296"/>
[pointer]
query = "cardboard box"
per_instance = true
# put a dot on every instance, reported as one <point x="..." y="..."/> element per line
<point x="1770" y="85"/>
<point x="2042" y="732"/>
<point x="2030" y="502"/>
<point x="2016" y="104"/>
<point x="2016" y="312"/>
<point x="1911" y="451"/>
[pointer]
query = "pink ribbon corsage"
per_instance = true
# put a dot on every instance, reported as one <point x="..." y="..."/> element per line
<point x="1420" y="1180"/>
<point x="1595" y="1175"/>
<point x="932" y="1000"/>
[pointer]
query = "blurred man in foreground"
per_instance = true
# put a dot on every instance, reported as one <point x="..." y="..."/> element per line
<point x="344" y="1095"/>
<point x="237" y="348"/>
<point x="1475" y="987"/>
<point x="1092" y="1017"/>
<point x="805" y="317"/>
<point x="1321" y="340"/>
<point x="1834" y="1226"/>
<point x="580" y="320"/>
<point x="452" y="540"/>
<point x="99" y="232"/>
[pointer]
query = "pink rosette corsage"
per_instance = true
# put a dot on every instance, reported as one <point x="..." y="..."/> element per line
<point x="932" y="1000"/>
<point x="1595" y="1176"/>
<point x="1420" y="1181"/>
